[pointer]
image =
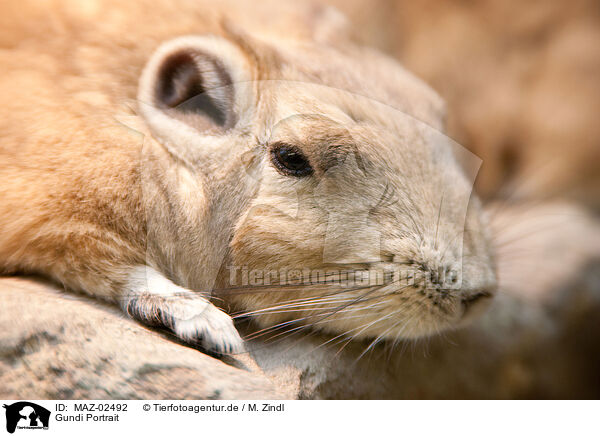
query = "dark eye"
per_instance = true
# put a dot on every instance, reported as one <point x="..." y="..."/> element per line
<point x="290" y="161"/>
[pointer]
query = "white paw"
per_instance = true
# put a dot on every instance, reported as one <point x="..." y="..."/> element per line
<point x="155" y="300"/>
<point x="212" y="328"/>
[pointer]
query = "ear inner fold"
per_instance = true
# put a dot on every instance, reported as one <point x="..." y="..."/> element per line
<point x="193" y="84"/>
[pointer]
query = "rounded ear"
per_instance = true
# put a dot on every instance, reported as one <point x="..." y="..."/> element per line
<point x="191" y="82"/>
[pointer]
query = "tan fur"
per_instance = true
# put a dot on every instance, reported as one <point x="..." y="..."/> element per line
<point x="87" y="197"/>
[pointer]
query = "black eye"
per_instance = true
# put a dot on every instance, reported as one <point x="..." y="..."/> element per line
<point x="290" y="161"/>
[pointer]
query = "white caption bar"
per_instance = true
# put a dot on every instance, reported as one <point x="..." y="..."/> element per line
<point x="31" y="417"/>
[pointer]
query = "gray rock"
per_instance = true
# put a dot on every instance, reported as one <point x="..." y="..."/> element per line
<point x="58" y="346"/>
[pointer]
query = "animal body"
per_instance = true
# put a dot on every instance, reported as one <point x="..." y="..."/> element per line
<point x="189" y="160"/>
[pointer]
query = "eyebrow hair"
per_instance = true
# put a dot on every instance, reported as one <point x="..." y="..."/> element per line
<point x="332" y="148"/>
<point x="324" y="141"/>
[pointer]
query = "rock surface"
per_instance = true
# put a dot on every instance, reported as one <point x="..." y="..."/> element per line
<point x="58" y="346"/>
<point x="540" y="339"/>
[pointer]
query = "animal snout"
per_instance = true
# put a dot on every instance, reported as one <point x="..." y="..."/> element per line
<point x="438" y="276"/>
<point x="441" y="282"/>
<point x="432" y="273"/>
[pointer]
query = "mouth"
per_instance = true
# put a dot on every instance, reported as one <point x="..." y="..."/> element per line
<point x="473" y="304"/>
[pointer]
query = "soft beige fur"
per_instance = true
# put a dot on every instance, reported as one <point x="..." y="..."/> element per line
<point x="107" y="192"/>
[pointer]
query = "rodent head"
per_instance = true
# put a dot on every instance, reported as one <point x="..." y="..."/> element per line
<point x="328" y="193"/>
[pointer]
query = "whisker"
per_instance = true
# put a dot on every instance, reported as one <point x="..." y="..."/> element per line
<point x="437" y="226"/>
<point x="413" y="310"/>
<point x="309" y="299"/>
<point x="296" y="330"/>
<point x="270" y="329"/>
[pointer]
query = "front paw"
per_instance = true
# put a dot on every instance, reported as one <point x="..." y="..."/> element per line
<point x="154" y="300"/>
<point x="210" y="328"/>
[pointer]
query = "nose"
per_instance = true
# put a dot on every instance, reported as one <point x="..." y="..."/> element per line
<point x="445" y="280"/>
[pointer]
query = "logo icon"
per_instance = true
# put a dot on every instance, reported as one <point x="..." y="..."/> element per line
<point x="26" y="415"/>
